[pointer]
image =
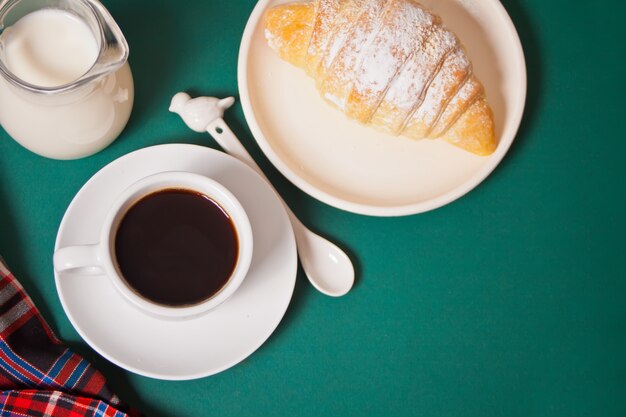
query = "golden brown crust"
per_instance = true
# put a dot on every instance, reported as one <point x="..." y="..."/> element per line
<point x="474" y="130"/>
<point x="288" y="29"/>
<point x="470" y="91"/>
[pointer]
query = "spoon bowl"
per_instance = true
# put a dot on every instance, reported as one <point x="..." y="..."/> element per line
<point x="327" y="267"/>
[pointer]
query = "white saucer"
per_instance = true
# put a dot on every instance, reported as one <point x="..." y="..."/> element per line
<point x="205" y="345"/>
<point x="355" y="168"/>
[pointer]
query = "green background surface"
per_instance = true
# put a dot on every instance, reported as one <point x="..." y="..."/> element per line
<point x="509" y="302"/>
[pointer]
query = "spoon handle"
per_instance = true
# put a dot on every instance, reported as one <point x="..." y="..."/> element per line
<point x="231" y="144"/>
<point x="225" y="137"/>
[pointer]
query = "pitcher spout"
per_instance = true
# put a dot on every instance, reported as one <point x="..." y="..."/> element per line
<point x="114" y="48"/>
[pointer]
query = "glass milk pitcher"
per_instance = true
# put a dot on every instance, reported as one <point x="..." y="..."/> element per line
<point x="66" y="90"/>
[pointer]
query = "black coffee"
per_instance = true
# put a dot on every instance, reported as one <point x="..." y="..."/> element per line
<point x="176" y="247"/>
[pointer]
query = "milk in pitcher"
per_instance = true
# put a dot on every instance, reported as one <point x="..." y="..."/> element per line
<point x="48" y="105"/>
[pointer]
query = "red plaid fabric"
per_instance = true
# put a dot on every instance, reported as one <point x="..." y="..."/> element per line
<point x="39" y="376"/>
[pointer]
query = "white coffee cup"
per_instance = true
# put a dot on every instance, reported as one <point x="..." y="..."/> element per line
<point x="100" y="257"/>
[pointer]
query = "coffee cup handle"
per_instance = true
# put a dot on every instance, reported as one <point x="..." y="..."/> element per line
<point x="74" y="257"/>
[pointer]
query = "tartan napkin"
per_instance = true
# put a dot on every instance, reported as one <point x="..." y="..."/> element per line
<point x="39" y="376"/>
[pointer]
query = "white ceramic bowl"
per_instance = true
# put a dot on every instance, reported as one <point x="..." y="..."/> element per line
<point x="356" y="168"/>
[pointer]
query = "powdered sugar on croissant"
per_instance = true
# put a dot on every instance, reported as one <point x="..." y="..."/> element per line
<point x="389" y="64"/>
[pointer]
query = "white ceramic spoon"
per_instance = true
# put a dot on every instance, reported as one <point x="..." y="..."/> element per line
<point x="326" y="266"/>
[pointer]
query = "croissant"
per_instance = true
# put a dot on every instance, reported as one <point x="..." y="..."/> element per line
<point x="389" y="64"/>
